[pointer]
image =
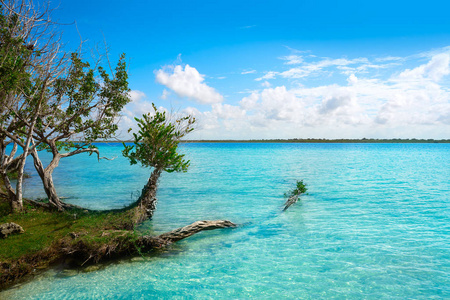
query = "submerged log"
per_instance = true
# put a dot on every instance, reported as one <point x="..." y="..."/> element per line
<point x="183" y="232"/>
<point x="293" y="199"/>
<point x="294" y="194"/>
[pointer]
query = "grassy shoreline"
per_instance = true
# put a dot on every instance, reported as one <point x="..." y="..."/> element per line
<point x="75" y="238"/>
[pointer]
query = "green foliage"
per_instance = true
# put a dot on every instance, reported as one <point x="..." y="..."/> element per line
<point x="14" y="54"/>
<point x="85" y="105"/>
<point x="300" y="188"/>
<point x="15" y="57"/>
<point x="156" y="143"/>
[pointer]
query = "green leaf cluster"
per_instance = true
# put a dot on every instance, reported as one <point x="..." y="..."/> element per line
<point x="156" y="142"/>
<point x="14" y="54"/>
<point x="300" y="188"/>
<point x="87" y="105"/>
<point x="15" y="77"/>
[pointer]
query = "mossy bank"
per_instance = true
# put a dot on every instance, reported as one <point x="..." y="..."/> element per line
<point x="75" y="237"/>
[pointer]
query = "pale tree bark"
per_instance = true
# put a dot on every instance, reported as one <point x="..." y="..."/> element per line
<point x="168" y="238"/>
<point x="47" y="179"/>
<point x="10" y="163"/>
<point x="17" y="204"/>
<point x="5" y="165"/>
<point x="46" y="173"/>
<point x="22" y="103"/>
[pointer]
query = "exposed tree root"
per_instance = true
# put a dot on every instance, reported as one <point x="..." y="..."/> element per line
<point x="80" y="249"/>
<point x="183" y="232"/>
<point x="66" y="206"/>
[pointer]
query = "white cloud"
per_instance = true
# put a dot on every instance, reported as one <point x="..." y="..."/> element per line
<point x="435" y="69"/>
<point x="266" y="84"/>
<point x="188" y="82"/>
<point x="138" y="106"/>
<point x="316" y="67"/>
<point x="249" y="102"/>
<point x="248" y="72"/>
<point x="280" y="104"/>
<point x="226" y="111"/>
<point x="334" y="103"/>
<point x="388" y="58"/>
<point x="292" y="59"/>
<point x="352" y="79"/>
<point x="268" y="75"/>
<point x="136" y="95"/>
<point x="165" y="94"/>
<point x="406" y="105"/>
<point x="384" y="97"/>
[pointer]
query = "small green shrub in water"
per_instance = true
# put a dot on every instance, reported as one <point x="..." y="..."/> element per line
<point x="300" y="188"/>
<point x="293" y="195"/>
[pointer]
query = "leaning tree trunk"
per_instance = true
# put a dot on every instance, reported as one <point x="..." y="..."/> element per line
<point x="147" y="201"/>
<point x="47" y="179"/>
<point x="293" y="199"/>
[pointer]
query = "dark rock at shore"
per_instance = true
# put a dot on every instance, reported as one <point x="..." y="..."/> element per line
<point x="10" y="228"/>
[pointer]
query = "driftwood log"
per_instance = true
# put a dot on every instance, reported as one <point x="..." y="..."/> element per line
<point x="183" y="232"/>
<point x="123" y="243"/>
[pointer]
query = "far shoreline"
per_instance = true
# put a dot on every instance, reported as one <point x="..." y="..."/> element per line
<point x="312" y="140"/>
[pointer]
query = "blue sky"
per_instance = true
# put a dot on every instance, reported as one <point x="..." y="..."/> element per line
<point x="280" y="69"/>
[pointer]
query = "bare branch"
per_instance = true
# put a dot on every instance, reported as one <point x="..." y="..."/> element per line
<point x="88" y="150"/>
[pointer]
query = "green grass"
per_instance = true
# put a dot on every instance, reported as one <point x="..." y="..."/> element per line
<point x="43" y="228"/>
<point x="85" y="236"/>
<point x="81" y="236"/>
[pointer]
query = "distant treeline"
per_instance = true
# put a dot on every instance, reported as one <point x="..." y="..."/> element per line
<point x="311" y="140"/>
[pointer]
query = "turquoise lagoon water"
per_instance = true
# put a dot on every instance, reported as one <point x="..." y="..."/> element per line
<point x="376" y="224"/>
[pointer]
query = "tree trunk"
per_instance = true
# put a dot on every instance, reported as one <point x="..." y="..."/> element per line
<point x="290" y="201"/>
<point x="5" y="164"/>
<point x="147" y="201"/>
<point x="47" y="179"/>
<point x="182" y="233"/>
<point x="17" y="203"/>
<point x="13" y="204"/>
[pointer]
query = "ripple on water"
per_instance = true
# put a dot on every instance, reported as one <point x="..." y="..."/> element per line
<point x="376" y="224"/>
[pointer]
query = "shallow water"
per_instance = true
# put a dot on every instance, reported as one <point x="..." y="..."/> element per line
<point x="376" y="224"/>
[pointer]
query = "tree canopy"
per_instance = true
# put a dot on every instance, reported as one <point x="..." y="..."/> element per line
<point x="156" y="146"/>
<point x="51" y="98"/>
<point x="156" y="142"/>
